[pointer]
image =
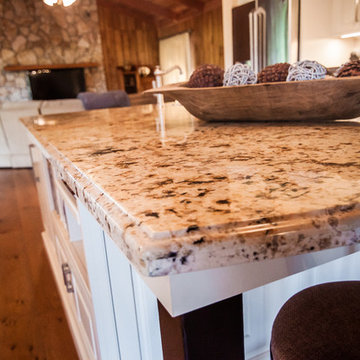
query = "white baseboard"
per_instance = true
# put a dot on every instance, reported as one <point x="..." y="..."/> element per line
<point x="15" y="161"/>
<point x="20" y="161"/>
<point x="5" y="161"/>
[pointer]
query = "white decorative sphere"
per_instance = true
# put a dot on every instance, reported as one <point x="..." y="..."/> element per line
<point x="306" y="70"/>
<point x="239" y="74"/>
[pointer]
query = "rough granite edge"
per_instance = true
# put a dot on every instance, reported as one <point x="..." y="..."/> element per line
<point x="208" y="248"/>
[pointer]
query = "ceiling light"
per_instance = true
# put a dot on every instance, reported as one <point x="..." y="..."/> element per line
<point x="68" y="2"/>
<point x="50" y="2"/>
<point x="64" y="3"/>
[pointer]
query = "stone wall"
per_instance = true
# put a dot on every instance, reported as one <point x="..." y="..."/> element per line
<point x="34" y="33"/>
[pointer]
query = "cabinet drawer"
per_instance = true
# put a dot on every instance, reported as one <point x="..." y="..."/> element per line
<point x="69" y="214"/>
<point x="65" y="270"/>
<point x="79" y="299"/>
<point x="73" y="249"/>
<point x="86" y="317"/>
<point x="69" y="299"/>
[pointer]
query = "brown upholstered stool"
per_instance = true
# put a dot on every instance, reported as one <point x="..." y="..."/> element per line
<point x="319" y="323"/>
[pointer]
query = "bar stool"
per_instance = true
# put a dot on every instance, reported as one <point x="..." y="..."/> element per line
<point x="321" y="322"/>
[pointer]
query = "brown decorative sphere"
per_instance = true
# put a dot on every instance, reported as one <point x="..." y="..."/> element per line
<point x="351" y="68"/>
<point x="274" y="73"/>
<point x="206" y="76"/>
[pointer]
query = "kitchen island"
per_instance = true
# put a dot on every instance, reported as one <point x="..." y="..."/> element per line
<point x="197" y="211"/>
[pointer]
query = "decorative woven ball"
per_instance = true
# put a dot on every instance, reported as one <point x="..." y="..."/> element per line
<point x="351" y="68"/>
<point x="306" y="70"/>
<point x="273" y="73"/>
<point x="239" y="74"/>
<point x="206" y="76"/>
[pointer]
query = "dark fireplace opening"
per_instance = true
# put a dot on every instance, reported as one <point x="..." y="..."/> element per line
<point x="50" y="84"/>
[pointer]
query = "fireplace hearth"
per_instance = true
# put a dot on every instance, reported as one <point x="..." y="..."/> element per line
<point x="54" y="81"/>
<point x="48" y="84"/>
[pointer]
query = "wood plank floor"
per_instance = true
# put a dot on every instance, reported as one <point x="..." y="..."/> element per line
<point x="32" y="321"/>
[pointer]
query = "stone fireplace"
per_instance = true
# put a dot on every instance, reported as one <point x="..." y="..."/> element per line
<point x="34" y="33"/>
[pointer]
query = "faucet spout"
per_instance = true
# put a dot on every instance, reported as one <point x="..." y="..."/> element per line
<point x="175" y="67"/>
<point x="159" y="73"/>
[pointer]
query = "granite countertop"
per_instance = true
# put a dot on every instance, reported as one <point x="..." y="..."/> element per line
<point x="178" y="194"/>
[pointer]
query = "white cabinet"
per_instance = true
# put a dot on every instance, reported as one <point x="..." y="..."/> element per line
<point x="110" y="308"/>
<point x="345" y="17"/>
<point x="5" y="160"/>
<point x="135" y="308"/>
<point x="14" y="150"/>
<point x="126" y="310"/>
<point x="64" y="246"/>
<point x="96" y="258"/>
<point x="15" y="133"/>
<point x="111" y="313"/>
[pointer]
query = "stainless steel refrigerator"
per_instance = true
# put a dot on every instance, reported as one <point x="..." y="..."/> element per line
<point x="266" y="32"/>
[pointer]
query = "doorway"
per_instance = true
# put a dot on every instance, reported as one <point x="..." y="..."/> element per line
<point x="241" y="32"/>
<point x="176" y="50"/>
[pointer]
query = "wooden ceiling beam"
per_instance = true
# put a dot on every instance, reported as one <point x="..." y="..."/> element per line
<point x="188" y="14"/>
<point x="148" y="8"/>
<point x="192" y="4"/>
<point x="184" y="16"/>
<point x="212" y="4"/>
<point x="134" y="13"/>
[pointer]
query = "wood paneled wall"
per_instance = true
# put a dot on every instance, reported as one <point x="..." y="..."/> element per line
<point x="126" y="39"/>
<point x="206" y="36"/>
<point x="131" y="39"/>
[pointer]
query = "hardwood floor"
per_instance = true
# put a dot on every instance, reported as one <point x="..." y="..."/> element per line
<point x="32" y="321"/>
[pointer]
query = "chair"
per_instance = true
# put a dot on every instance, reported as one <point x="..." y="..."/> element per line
<point x="109" y="99"/>
<point x="319" y="323"/>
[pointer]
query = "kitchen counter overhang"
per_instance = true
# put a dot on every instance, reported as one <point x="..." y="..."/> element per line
<point x="179" y="195"/>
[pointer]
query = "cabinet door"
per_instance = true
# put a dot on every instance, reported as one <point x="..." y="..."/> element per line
<point x="346" y="17"/>
<point x="5" y="160"/>
<point x="124" y="304"/>
<point x="96" y="260"/>
<point x="16" y="134"/>
<point x="126" y="312"/>
<point x="135" y="307"/>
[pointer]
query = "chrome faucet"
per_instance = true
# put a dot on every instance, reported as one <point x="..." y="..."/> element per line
<point x="159" y="73"/>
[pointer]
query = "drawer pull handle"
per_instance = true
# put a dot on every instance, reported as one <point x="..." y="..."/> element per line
<point x="67" y="277"/>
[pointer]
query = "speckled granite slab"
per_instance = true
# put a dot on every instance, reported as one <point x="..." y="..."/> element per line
<point x="178" y="194"/>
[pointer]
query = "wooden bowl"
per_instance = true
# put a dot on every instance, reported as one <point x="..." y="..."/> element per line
<point x="327" y="99"/>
